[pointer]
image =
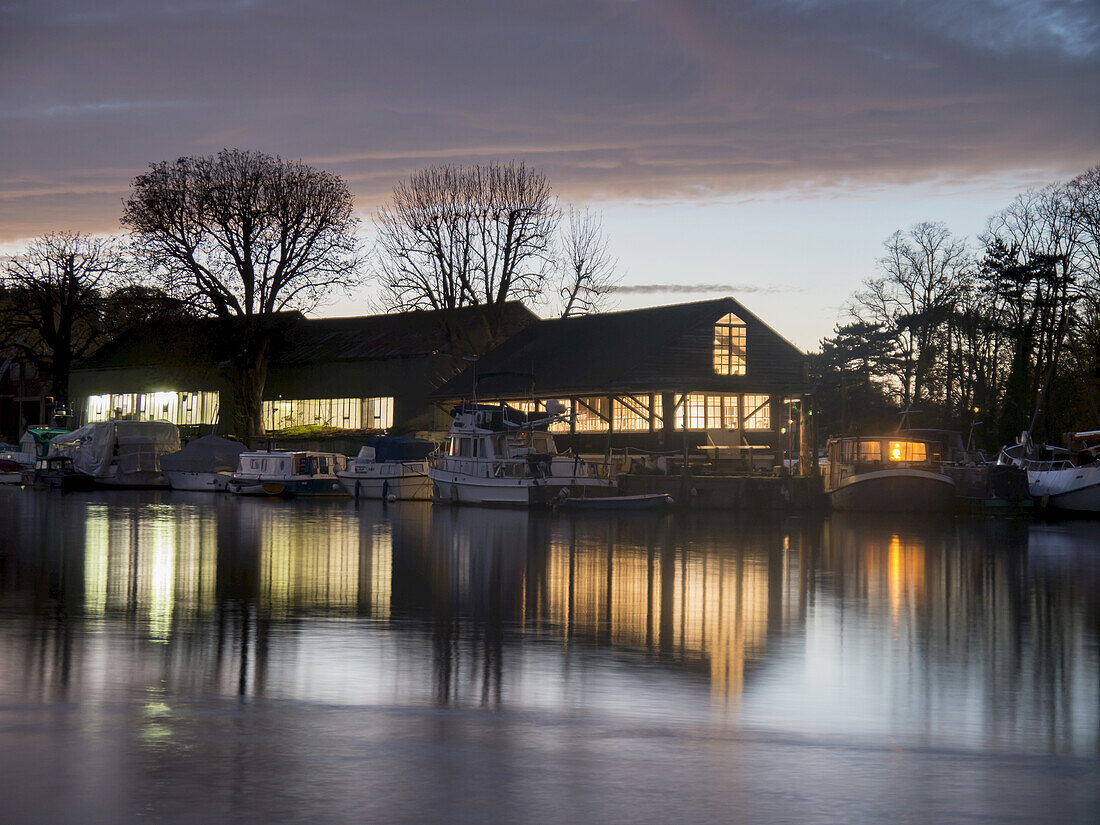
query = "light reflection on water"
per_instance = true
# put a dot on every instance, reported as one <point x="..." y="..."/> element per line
<point x="977" y="634"/>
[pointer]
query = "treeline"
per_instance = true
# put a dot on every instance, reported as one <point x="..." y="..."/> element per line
<point x="241" y="236"/>
<point x="1000" y="336"/>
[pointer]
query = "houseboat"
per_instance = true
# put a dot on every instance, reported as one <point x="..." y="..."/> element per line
<point x="497" y="455"/>
<point x="390" y="468"/>
<point x="286" y="473"/>
<point x="119" y="453"/>
<point x="1061" y="478"/>
<point x="887" y="473"/>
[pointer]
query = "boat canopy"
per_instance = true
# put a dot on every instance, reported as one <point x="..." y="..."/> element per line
<point x="209" y="454"/>
<point x="37" y="439"/>
<point x="94" y="446"/>
<point x="399" y="448"/>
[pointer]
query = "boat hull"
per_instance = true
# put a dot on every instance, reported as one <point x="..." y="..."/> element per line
<point x="315" y="486"/>
<point x="894" y="490"/>
<point x="412" y="484"/>
<point x="1075" y="489"/>
<point x="457" y="488"/>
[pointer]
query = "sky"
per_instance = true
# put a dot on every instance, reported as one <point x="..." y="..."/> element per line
<point x="759" y="149"/>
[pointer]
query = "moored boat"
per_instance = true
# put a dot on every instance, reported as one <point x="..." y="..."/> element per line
<point x="288" y="473"/>
<point x="18" y="462"/>
<point x="887" y="473"/>
<point x="1060" y="478"/>
<point x="119" y="453"/>
<point x="389" y="467"/>
<point x="204" y="464"/>
<point x="497" y="455"/>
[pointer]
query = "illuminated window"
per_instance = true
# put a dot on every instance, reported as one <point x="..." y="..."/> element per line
<point x="337" y="413"/>
<point x="729" y="346"/>
<point x="870" y="451"/>
<point x="757" y="412"/>
<point x="632" y="415"/>
<point x="908" y="451"/>
<point x="730" y="412"/>
<point x="592" y="414"/>
<point x="710" y="412"/>
<point x="181" y="408"/>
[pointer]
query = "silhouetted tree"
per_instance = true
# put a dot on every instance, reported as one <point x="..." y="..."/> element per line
<point x="587" y="269"/>
<point x="242" y="236"/>
<point x="56" y="295"/>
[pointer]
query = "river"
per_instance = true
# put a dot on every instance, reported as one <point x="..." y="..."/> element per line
<point x="188" y="657"/>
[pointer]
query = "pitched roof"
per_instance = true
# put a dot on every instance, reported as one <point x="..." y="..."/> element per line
<point x="599" y="353"/>
<point x="301" y="340"/>
<point x="397" y="335"/>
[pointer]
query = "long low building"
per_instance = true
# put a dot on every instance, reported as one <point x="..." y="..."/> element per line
<point x="697" y="375"/>
<point x="369" y="373"/>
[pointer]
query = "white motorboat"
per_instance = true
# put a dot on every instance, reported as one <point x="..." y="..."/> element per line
<point x="887" y="473"/>
<point x="391" y="468"/>
<point x="287" y="473"/>
<point x="119" y="453"/>
<point x="495" y="455"/>
<point x="1061" y="478"/>
<point x="204" y="464"/>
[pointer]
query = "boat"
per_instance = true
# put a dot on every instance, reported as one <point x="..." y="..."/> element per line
<point x="56" y="472"/>
<point x="497" y="455"/>
<point x="1060" y="478"/>
<point x="887" y="473"/>
<point x="17" y="461"/>
<point x="119" y="453"/>
<point x="204" y="464"/>
<point x="981" y="484"/>
<point x="287" y="473"/>
<point x="390" y="468"/>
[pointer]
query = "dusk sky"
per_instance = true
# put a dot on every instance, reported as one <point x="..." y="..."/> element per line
<point x="760" y="149"/>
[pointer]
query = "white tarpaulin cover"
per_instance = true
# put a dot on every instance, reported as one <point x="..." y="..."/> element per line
<point x="135" y="445"/>
<point x="209" y="454"/>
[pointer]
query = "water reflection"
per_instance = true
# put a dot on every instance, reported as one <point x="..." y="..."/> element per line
<point x="973" y="632"/>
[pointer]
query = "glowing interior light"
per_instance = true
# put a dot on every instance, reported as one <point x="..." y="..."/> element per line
<point x="895" y="452"/>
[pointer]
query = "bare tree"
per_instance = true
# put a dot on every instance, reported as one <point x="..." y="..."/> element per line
<point x="588" y="274"/>
<point x="455" y="237"/>
<point x="55" y="294"/>
<point x="921" y="273"/>
<point x="241" y="236"/>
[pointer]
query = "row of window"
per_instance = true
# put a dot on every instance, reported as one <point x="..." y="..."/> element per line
<point x="340" y="413"/>
<point x="695" y="411"/>
<point x="194" y="408"/>
<point x="181" y="408"/>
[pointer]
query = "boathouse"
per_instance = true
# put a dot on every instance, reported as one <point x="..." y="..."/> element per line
<point x="704" y="376"/>
<point x="367" y="373"/>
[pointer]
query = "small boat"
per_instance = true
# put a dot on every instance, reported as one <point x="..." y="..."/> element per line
<point x="391" y="468"/>
<point x="119" y="453"/>
<point x="56" y="472"/>
<point x="497" y="455"/>
<point x="1060" y="478"/>
<point x="288" y="473"/>
<point x="981" y="485"/>
<point x="642" y="501"/>
<point x="16" y="461"/>
<point x="887" y="473"/>
<point x="204" y="464"/>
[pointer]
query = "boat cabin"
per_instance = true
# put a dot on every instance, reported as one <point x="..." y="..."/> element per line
<point x="285" y="465"/>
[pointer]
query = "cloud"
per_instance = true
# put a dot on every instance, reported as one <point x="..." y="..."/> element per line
<point x="703" y="289"/>
<point x="639" y="100"/>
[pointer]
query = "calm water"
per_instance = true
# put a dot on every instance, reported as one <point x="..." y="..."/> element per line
<point x="198" y="658"/>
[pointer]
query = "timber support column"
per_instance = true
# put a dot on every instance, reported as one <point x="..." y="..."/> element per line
<point x="805" y="448"/>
